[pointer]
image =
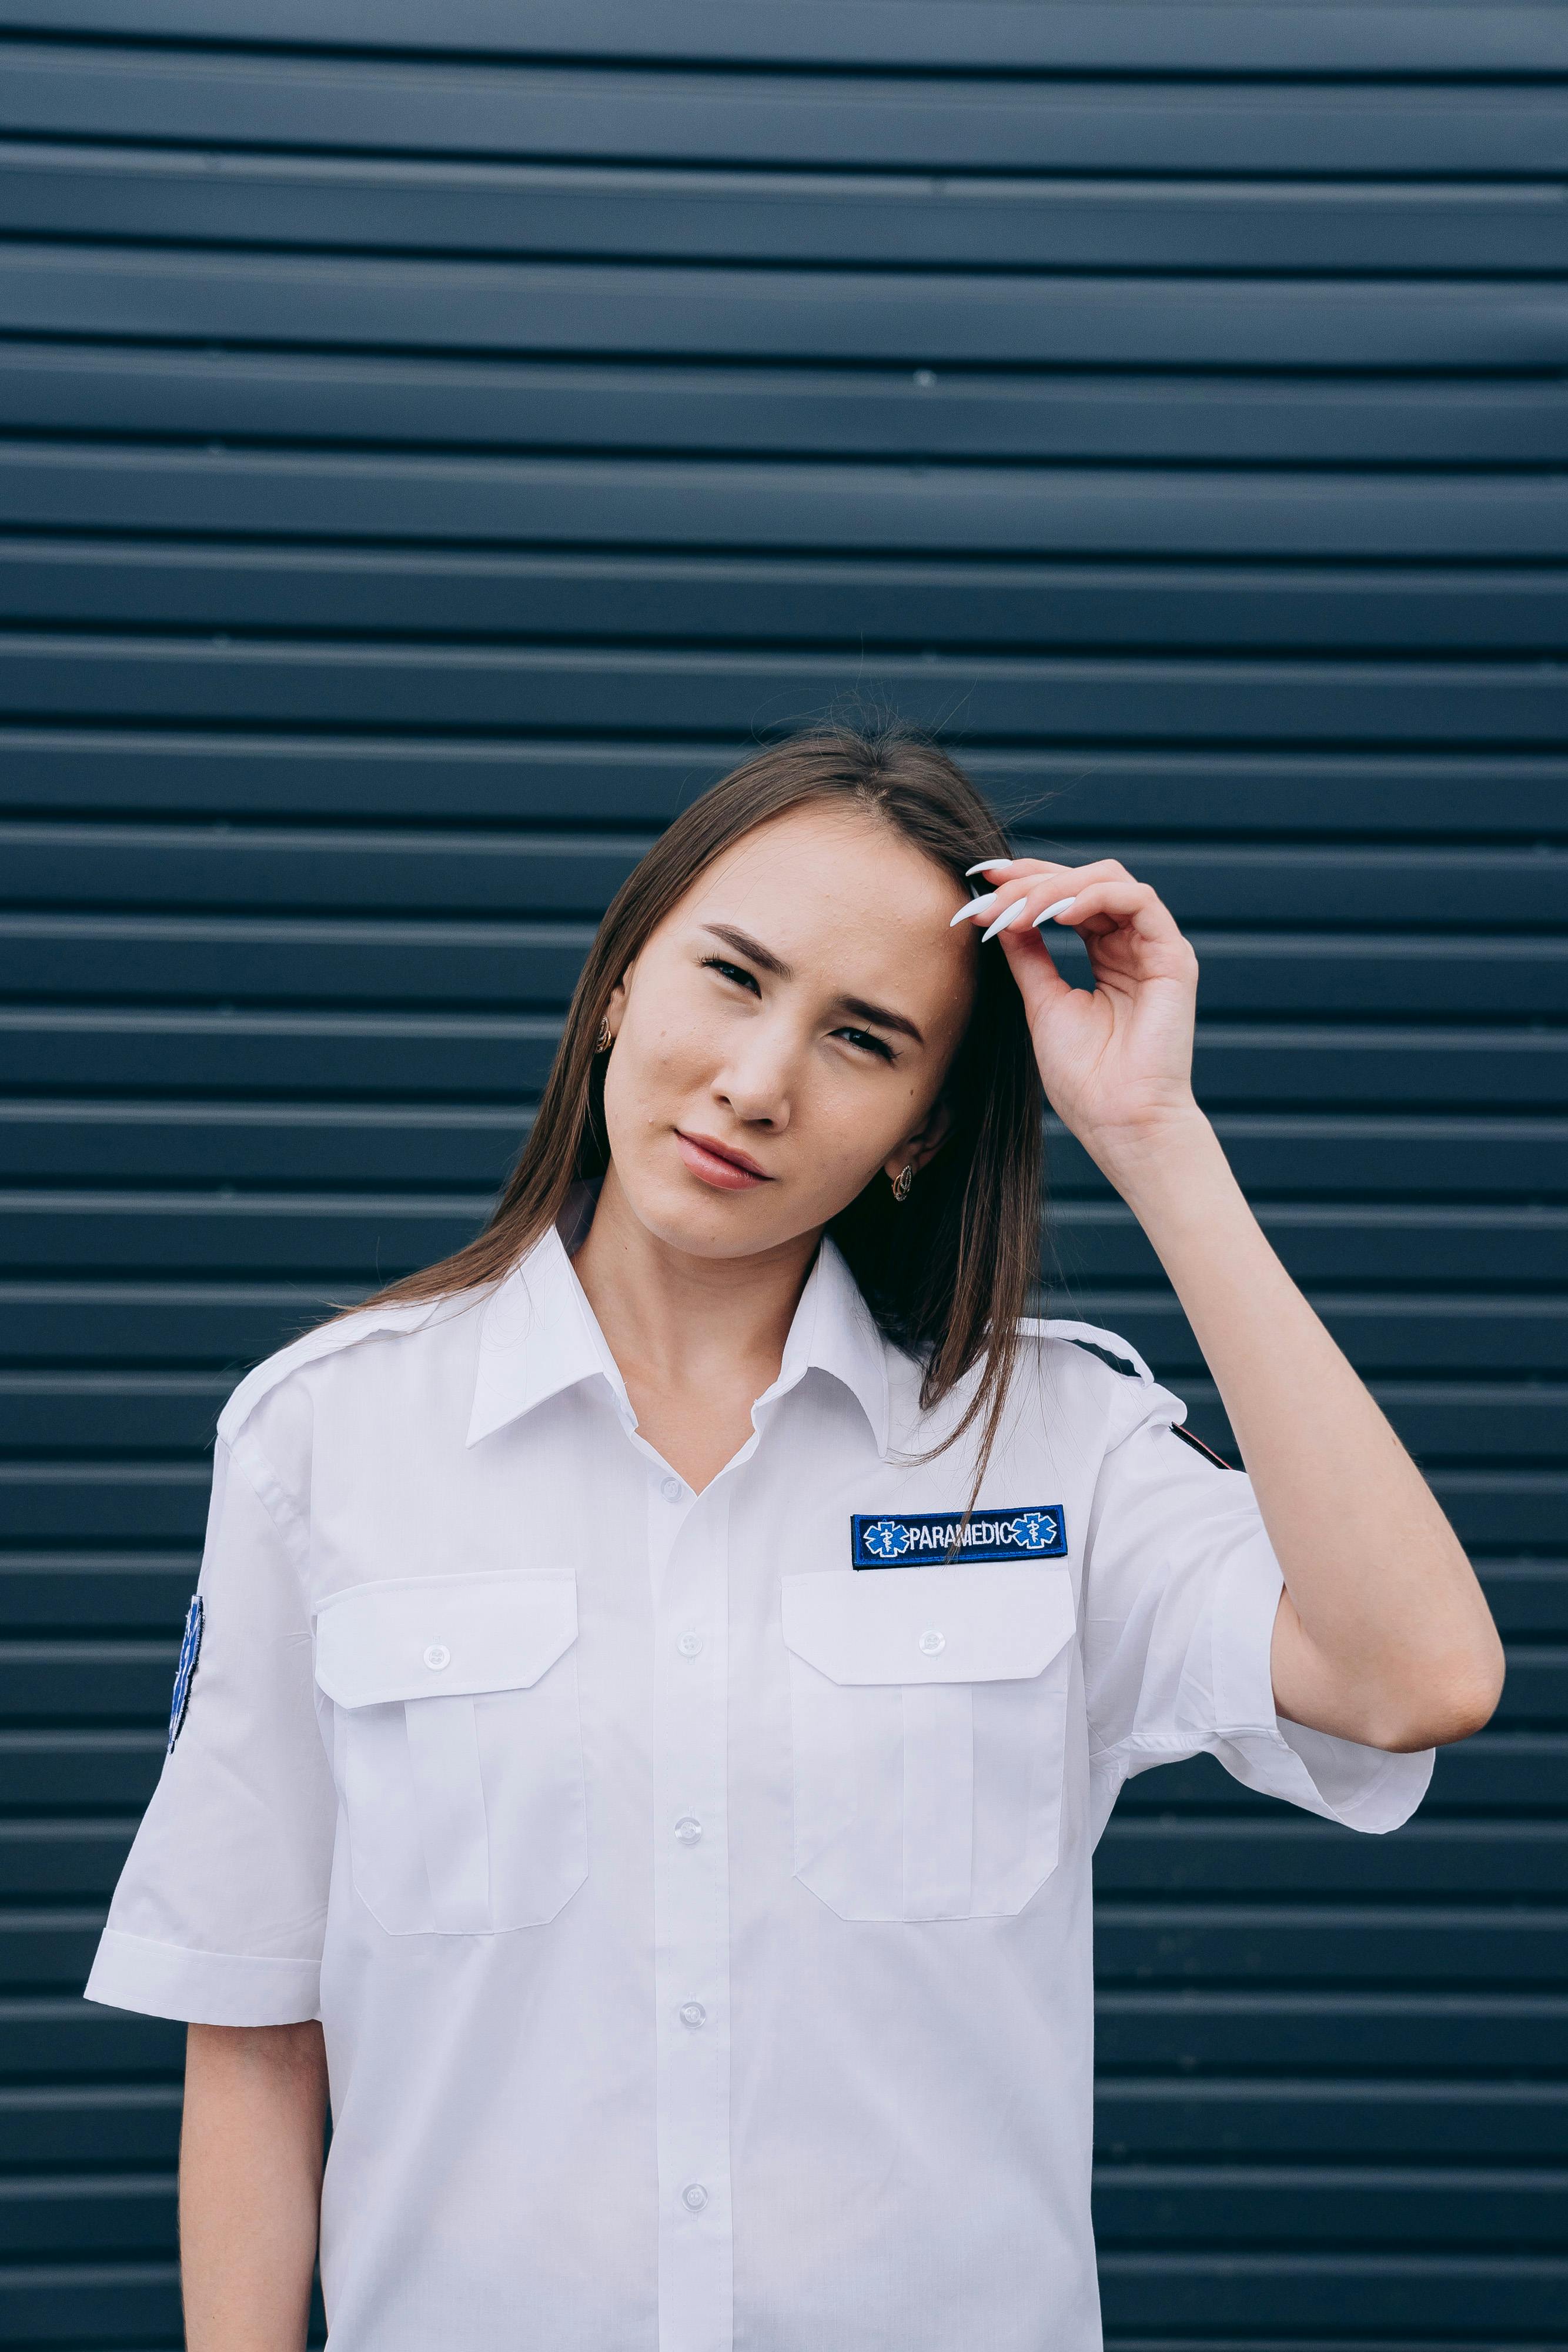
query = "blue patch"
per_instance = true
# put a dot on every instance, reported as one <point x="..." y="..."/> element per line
<point x="190" y="1651"/>
<point x="922" y="1539"/>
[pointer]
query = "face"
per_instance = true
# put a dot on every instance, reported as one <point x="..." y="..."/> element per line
<point x="785" y="1033"/>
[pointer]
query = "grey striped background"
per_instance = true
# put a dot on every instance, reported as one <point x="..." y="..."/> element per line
<point x="436" y="442"/>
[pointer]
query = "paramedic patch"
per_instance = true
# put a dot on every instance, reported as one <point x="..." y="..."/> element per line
<point x="189" y="1649"/>
<point x="921" y="1539"/>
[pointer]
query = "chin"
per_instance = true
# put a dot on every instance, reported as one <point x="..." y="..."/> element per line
<point x="701" y="1221"/>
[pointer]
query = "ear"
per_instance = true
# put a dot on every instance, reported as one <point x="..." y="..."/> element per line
<point x="615" y="1010"/>
<point x="923" y="1145"/>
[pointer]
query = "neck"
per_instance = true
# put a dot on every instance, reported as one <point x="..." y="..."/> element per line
<point x="674" y="1321"/>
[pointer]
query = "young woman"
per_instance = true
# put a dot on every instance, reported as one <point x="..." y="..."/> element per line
<point x="656" y="1679"/>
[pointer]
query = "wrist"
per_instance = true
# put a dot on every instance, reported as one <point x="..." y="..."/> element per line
<point x="1159" y="1158"/>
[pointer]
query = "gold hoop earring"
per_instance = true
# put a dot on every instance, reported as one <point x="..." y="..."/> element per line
<point x="904" y="1184"/>
<point x="606" y="1037"/>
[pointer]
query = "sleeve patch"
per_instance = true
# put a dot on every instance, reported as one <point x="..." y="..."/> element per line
<point x="1188" y="1437"/>
<point x="190" y="1651"/>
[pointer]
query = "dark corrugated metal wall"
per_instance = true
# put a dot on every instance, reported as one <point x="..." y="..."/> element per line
<point x="425" y="464"/>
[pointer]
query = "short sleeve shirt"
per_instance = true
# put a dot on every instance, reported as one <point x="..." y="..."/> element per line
<point x="694" y="1889"/>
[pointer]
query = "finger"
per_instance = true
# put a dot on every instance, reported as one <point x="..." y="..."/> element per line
<point x="997" y="868"/>
<point x="1104" y="889"/>
<point x="1040" y="879"/>
<point x="984" y="903"/>
<point x="996" y="871"/>
<point x="1127" y="927"/>
<point x="1120" y="903"/>
<point x="1015" y="909"/>
<point x="1057" y="912"/>
<point x="1044" y="894"/>
<point x="1034" y="969"/>
<point x="987" y="903"/>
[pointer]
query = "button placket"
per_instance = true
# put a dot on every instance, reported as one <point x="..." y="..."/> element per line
<point x="669" y="1507"/>
<point x="691" y="1899"/>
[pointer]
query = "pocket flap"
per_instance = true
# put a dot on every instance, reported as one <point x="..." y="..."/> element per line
<point x="442" y="1636"/>
<point x="979" y="1623"/>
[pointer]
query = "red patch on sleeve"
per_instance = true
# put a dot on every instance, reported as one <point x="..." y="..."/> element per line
<point x="1198" y="1445"/>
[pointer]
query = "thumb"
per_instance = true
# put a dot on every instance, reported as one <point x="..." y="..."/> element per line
<point x="1040" y="985"/>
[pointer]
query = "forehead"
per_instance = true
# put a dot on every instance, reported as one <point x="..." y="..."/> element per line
<point x="852" y="905"/>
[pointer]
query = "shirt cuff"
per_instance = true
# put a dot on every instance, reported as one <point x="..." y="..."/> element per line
<point x="202" y="1988"/>
<point x="1372" y="1789"/>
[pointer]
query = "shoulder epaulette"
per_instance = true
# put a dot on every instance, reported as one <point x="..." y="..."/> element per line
<point x="327" y="1340"/>
<point x="1118" y="1353"/>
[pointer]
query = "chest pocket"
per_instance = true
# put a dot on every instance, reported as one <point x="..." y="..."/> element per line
<point x="457" y="1747"/>
<point x="928" y="1710"/>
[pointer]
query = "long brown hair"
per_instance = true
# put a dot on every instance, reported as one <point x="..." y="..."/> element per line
<point x="947" y="1274"/>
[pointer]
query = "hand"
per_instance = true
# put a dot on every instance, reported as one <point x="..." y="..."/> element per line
<point x="1116" y="1062"/>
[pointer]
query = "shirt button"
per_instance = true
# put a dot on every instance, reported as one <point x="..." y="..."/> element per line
<point x="931" y="1641"/>
<point x="694" y="2196"/>
<point x="688" y="1829"/>
<point x="692" y="2013"/>
<point x="437" y="1656"/>
<point x="671" y="1490"/>
<point x="689" y="1644"/>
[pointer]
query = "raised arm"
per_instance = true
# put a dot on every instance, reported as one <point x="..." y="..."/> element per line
<point x="1382" y="1634"/>
<point x="250" y="2184"/>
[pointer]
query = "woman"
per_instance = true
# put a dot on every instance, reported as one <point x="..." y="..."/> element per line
<point x="656" y="1679"/>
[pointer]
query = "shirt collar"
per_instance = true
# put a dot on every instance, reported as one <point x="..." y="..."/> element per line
<point x="834" y="1331"/>
<point x="539" y="1336"/>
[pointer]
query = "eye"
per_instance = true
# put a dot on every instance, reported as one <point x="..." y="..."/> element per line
<point x="735" y="972"/>
<point x="866" y="1042"/>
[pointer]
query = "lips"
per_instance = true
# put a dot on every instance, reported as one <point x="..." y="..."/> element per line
<point x="719" y="1164"/>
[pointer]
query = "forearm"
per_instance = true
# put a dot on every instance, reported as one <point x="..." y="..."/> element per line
<point x="250" y="2184"/>
<point x="1384" y="1634"/>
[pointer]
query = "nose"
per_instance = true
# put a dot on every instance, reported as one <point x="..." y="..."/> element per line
<point x="757" y="1082"/>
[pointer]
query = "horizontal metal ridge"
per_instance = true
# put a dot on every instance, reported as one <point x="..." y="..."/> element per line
<point x="904" y="505"/>
<point x="1396" y="125"/>
<point x="115" y="385"/>
<point x="187" y="774"/>
<point x="91" y="190"/>
<point x="910" y="36"/>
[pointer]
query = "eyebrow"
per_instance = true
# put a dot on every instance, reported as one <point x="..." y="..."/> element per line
<point x="766" y="961"/>
<point x="879" y="1015"/>
<point x="743" y="944"/>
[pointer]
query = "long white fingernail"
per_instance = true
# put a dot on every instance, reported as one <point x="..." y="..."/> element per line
<point x="986" y="865"/>
<point x="1008" y="916"/>
<point x="981" y="906"/>
<point x="1061" y="907"/>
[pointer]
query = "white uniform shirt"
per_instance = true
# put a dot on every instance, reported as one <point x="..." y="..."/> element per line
<point x="699" y="1923"/>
